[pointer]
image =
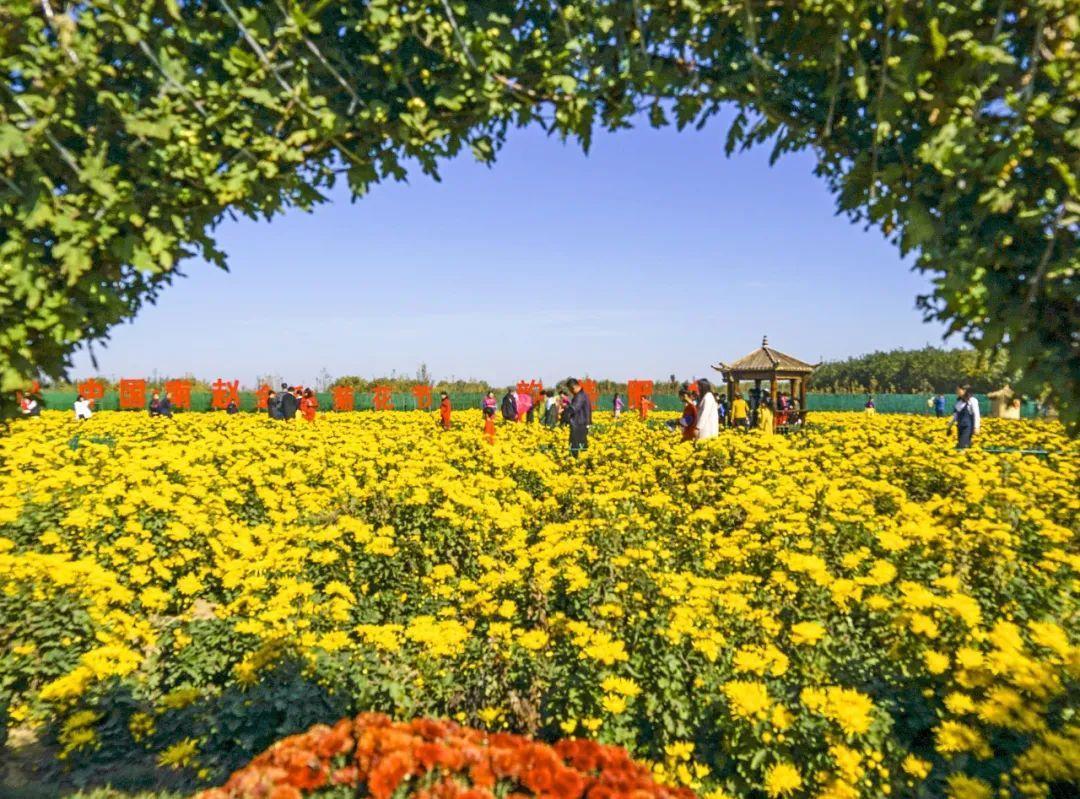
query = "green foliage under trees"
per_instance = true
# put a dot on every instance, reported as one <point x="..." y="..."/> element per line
<point x="912" y="372"/>
<point x="130" y="128"/>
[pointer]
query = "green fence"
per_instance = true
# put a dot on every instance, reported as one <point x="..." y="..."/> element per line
<point x="364" y="401"/>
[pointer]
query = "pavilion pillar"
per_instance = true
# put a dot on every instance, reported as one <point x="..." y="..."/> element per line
<point x="802" y="397"/>
<point x="772" y="392"/>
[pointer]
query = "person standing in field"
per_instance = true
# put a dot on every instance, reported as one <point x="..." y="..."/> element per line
<point x="579" y="417"/>
<point x="617" y="406"/>
<point x="551" y="409"/>
<point x="289" y="403"/>
<point x="740" y="412"/>
<point x="939" y="405"/>
<point x="708" y="419"/>
<point x="82" y="408"/>
<point x="688" y="421"/>
<point x="273" y="405"/>
<point x="645" y="404"/>
<point x="165" y="406"/>
<point x="721" y="410"/>
<point x="489" y="424"/>
<point x="509" y="406"/>
<point x="524" y="406"/>
<point x="309" y="405"/>
<point x="444" y="410"/>
<point x="870" y="407"/>
<point x="765" y="419"/>
<point x="564" y="403"/>
<point x="966" y="416"/>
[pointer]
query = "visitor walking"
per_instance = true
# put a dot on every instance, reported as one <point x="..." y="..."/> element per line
<point x="721" y="410"/>
<point x="489" y="424"/>
<point x="309" y="405"/>
<point x="708" y="419"/>
<point x="966" y="416"/>
<point x="740" y="412"/>
<point x="579" y="417"/>
<point x="509" y="406"/>
<point x="444" y="410"/>
<point x="524" y="406"/>
<point x="939" y="405"/>
<point x="617" y="406"/>
<point x="82" y="408"/>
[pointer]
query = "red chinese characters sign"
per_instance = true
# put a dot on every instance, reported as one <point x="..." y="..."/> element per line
<point x="382" y="398"/>
<point x="262" y="398"/>
<point x="179" y="392"/>
<point x="343" y="398"/>
<point x="132" y="394"/>
<point x="591" y="391"/>
<point x="636" y="390"/>
<point x="223" y="392"/>
<point x="423" y="397"/>
<point x="92" y="390"/>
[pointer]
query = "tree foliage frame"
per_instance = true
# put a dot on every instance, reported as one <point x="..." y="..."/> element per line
<point x="130" y="128"/>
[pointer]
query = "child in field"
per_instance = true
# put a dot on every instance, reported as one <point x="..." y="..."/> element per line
<point x="489" y="424"/>
<point x="444" y="411"/>
<point x="645" y="404"/>
<point x="309" y="404"/>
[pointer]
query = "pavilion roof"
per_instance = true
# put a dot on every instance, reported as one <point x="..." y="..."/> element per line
<point x="767" y="359"/>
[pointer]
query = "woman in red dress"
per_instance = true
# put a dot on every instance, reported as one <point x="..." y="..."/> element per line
<point x="309" y="404"/>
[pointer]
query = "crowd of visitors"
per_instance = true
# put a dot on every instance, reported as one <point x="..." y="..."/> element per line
<point x="705" y="411"/>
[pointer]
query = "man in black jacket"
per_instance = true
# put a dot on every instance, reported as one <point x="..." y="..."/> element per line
<point x="579" y="413"/>
<point x="289" y="403"/>
<point x="509" y="406"/>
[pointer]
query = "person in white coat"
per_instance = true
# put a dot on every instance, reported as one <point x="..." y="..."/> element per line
<point x="708" y="416"/>
<point x="82" y="408"/>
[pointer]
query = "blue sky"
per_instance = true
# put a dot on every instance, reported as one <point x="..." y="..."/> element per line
<point x="652" y="255"/>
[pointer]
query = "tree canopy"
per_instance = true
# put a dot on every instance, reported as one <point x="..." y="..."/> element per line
<point x="911" y="371"/>
<point x="130" y="128"/>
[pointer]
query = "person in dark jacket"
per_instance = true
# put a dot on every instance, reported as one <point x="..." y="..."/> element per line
<point x="165" y="406"/>
<point x="509" y="405"/>
<point x="273" y="405"/>
<point x="155" y="404"/>
<point x="579" y="413"/>
<point x="232" y="407"/>
<point x="289" y="404"/>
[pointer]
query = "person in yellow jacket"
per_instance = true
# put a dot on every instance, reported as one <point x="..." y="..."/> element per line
<point x="765" y="419"/>
<point x="740" y="412"/>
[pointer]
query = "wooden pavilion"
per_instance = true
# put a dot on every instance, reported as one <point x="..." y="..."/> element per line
<point x="766" y="364"/>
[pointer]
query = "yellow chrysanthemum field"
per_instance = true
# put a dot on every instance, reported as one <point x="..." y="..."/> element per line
<point x="856" y="610"/>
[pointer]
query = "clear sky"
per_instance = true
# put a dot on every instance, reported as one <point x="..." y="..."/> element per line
<point x="652" y="255"/>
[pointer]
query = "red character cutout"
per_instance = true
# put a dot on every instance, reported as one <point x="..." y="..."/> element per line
<point x="179" y="392"/>
<point x="588" y="385"/>
<point x="423" y="397"/>
<point x="343" y="397"/>
<point x="92" y="389"/>
<point x="383" y="398"/>
<point x="132" y="394"/>
<point x="223" y="392"/>
<point x="636" y="390"/>
<point x="262" y="397"/>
